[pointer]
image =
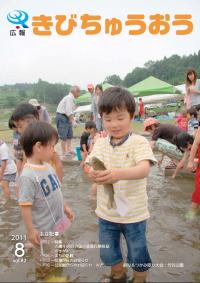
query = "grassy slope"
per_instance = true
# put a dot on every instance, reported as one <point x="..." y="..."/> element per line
<point x="137" y="127"/>
<point x="6" y="134"/>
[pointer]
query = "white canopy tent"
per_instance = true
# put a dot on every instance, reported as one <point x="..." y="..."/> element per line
<point x="146" y="99"/>
<point x="84" y="108"/>
<point x="160" y="97"/>
<point x="181" y="88"/>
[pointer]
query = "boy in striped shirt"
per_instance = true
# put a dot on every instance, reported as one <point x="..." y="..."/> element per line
<point x="127" y="159"/>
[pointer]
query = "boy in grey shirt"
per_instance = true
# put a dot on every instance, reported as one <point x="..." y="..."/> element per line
<point x="40" y="196"/>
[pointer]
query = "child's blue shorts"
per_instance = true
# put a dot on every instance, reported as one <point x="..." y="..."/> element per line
<point x="135" y="235"/>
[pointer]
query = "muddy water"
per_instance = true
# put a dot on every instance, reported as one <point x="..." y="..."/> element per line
<point x="174" y="244"/>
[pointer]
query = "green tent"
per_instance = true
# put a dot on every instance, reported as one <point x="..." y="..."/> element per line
<point x="83" y="99"/>
<point x="86" y="98"/>
<point x="151" y="86"/>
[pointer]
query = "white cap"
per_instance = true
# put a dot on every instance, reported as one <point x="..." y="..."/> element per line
<point x="34" y="102"/>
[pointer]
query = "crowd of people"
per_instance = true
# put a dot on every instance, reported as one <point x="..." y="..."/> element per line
<point x="181" y="141"/>
<point x="127" y="159"/>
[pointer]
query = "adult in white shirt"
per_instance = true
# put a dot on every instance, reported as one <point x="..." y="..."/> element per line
<point x="65" y="119"/>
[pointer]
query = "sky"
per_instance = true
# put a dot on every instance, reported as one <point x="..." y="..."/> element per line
<point x="81" y="59"/>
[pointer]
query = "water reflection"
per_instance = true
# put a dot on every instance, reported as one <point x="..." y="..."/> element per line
<point x="174" y="244"/>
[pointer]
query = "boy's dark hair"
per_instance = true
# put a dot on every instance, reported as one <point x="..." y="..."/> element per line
<point x="11" y="123"/>
<point x="182" y="140"/>
<point x="115" y="98"/>
<point x="193" y="112"/>
<point x="37" y="132"/>
<point x="90" y="125"/>
<point x="23" y="111"/>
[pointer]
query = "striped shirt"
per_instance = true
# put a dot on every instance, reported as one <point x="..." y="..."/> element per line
<point x="133" y="192"/>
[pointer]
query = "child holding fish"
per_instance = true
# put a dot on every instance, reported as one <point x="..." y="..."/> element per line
<point x="121" y="163"/>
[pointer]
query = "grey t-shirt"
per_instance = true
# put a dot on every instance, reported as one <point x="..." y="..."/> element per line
<point x="39" y="185"/>
<point x="195" y="97"/>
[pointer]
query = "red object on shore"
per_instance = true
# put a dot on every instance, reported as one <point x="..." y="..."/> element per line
<point x="141" y="108"/>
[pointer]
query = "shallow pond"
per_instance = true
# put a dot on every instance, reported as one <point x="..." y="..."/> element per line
<point x="174" y="243"/>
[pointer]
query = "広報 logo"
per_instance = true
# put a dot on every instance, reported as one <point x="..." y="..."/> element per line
<point x="18" y="17"/>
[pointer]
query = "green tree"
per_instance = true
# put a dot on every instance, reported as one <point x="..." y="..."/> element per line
<point x="22" y="94"/>
<point x="114" y="80"/>
<point x="11" y="101"/>
<point x="148" y="64"/>
<point x="138" y="74"/>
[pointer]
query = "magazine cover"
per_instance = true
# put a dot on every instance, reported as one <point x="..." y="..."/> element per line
<point x="99" y="141"/>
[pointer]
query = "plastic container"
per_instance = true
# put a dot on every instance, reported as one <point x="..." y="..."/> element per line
<point x="78" y="153"/>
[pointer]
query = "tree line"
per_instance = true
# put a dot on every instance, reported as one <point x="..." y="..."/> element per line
<point x="171" y="70"/>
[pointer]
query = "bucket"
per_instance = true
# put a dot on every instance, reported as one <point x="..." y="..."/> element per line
<point x="78" y="153"/>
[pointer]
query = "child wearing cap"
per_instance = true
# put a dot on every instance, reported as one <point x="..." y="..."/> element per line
<point x="167" y="139"/>
<point x="162" y="137"/>
<point x="160" y="131"/>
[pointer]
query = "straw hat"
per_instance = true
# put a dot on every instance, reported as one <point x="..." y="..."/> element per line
<point x="34" y="102"/>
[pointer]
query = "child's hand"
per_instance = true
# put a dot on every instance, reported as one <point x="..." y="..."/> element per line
<point x="74" y="123"/>
<point x="92" y="174"/>
<point x="106" y="177"/>
<point x="69" y="212"/>
<point x="86" y="169"/>
<point x="34" y="237"/>
<point x="173" y="176"/>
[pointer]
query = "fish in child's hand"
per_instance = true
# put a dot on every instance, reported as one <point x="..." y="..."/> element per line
<point x="108" y="188"/>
